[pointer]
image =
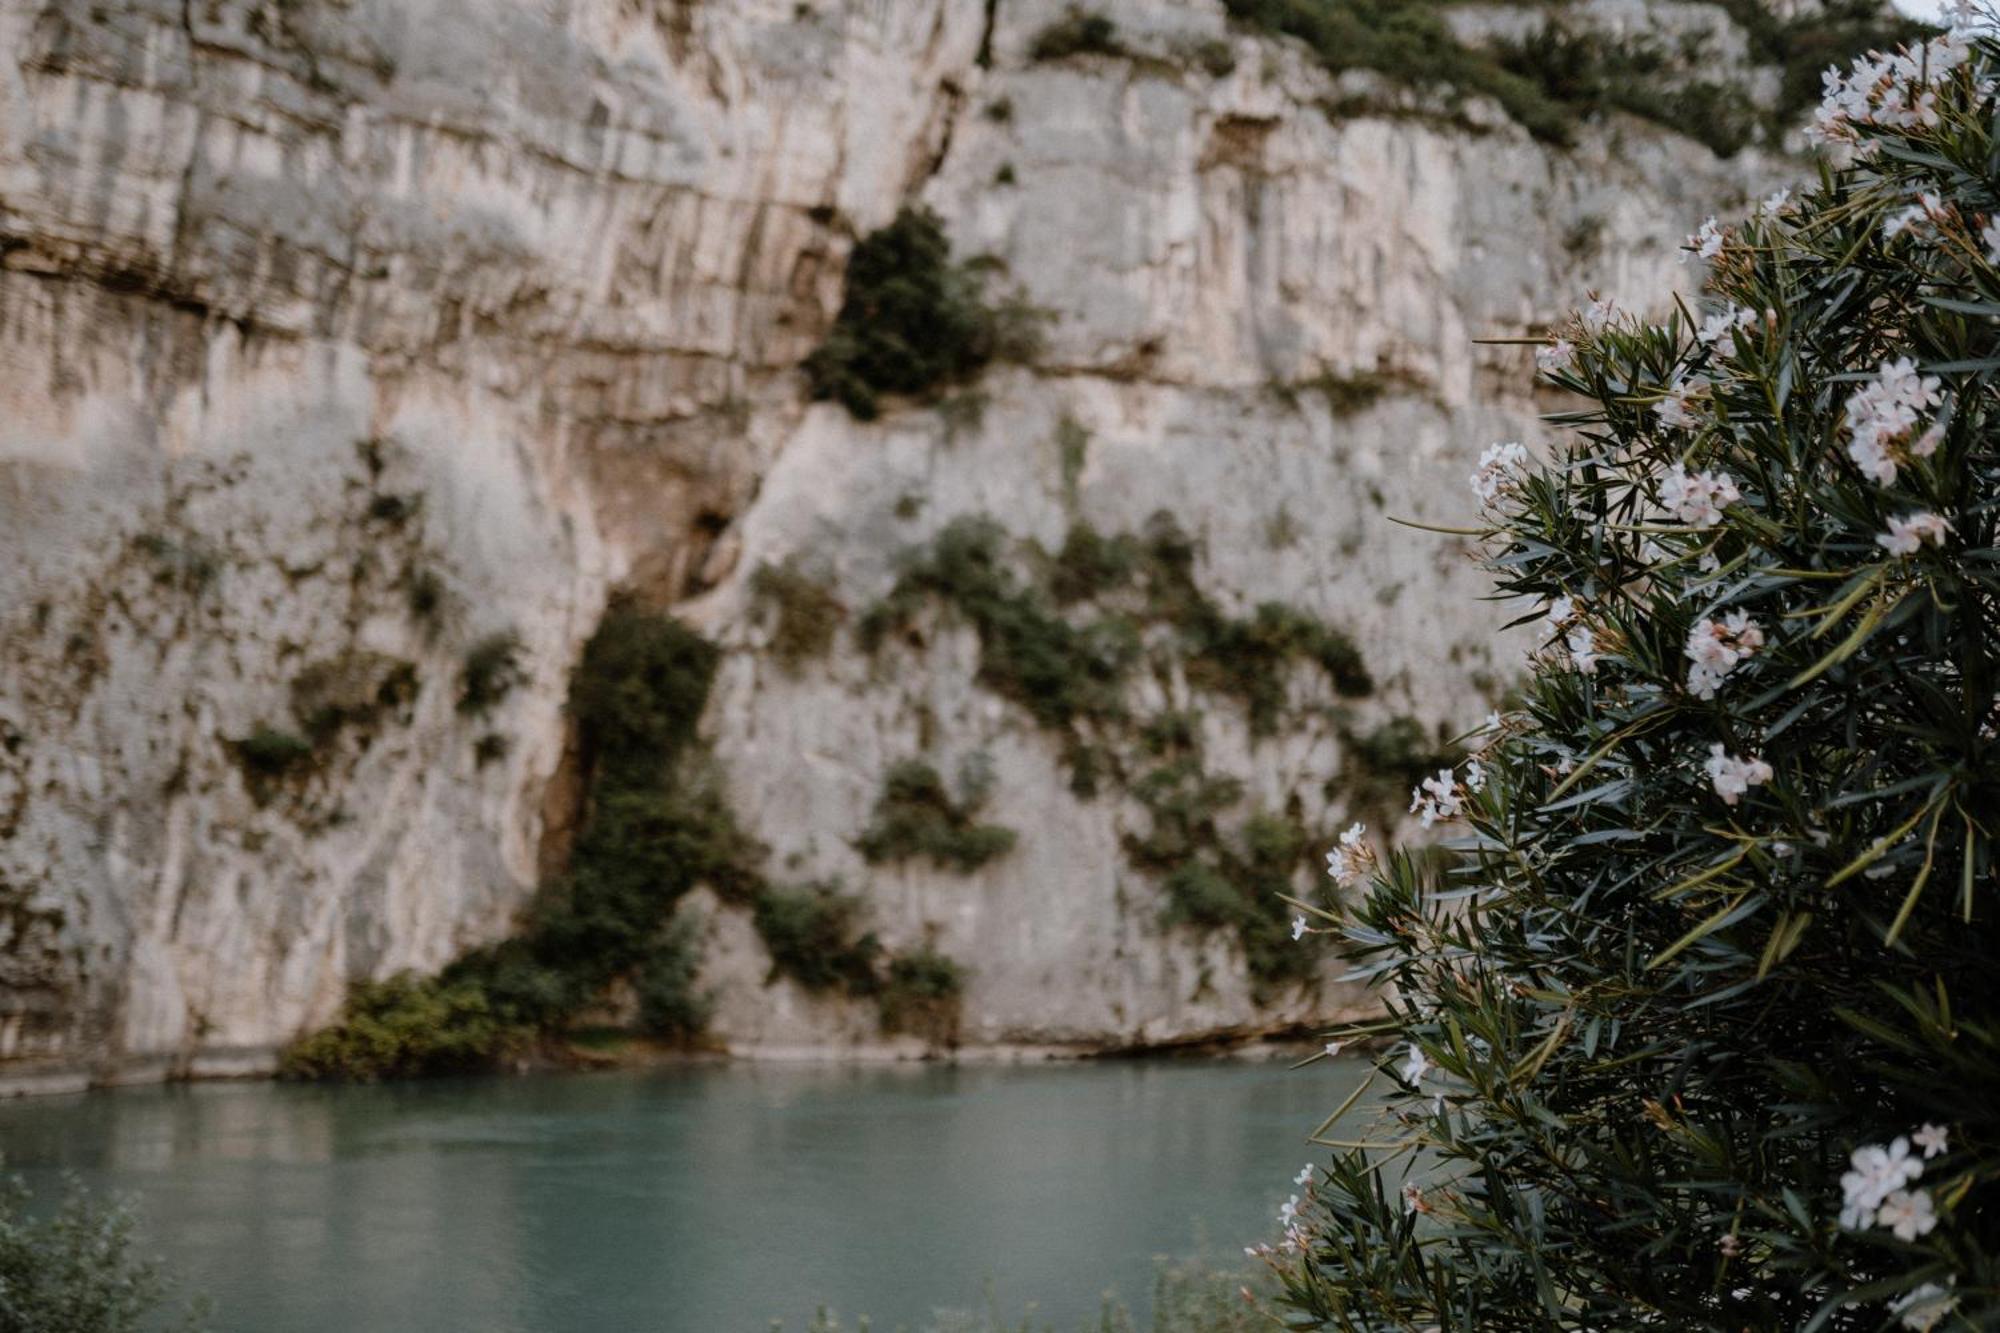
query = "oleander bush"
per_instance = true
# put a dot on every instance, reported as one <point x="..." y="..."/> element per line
<point x="1694" y="1024"/>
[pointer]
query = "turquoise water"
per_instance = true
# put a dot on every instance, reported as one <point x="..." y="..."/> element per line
<point x="700" y="1200"/>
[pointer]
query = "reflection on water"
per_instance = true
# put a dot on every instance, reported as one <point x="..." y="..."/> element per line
<point x="701" y="1200"/>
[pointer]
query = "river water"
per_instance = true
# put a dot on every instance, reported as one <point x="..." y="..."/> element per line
<point x="707" y="1199"/>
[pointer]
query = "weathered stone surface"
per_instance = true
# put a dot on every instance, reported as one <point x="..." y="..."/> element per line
<point x="350" y="333"/>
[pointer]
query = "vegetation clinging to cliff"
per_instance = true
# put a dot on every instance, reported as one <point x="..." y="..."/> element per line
<point x="913" y="320"/>
<point x="1552" y="80"/>
<point x="916" y="816"/>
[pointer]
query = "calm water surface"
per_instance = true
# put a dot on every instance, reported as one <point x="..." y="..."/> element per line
<point x="702" y="1200"/>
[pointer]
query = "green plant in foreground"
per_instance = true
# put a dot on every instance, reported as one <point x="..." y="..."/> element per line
<point x="1696" y="1026"/>
<point x="74" y="1271"/>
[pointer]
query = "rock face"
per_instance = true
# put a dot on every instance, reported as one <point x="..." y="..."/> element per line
<point x="338" y="338"/>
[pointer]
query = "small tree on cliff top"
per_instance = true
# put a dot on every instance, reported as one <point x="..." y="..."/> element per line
<point x="1697" y="1023"/>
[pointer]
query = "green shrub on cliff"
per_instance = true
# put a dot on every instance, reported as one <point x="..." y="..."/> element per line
<point x="654" y="826"/>
<point x="913" y="321"/>
<point x="1696" y="1026"/>
<point x="916" y="816"/>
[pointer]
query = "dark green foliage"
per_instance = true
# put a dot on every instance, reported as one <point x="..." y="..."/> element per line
<point x="1382" y="765"/>
<point x="806" y="612"/>
<point x="406" y="1025"/>
<point x="671" y="1003"/>
<point x="1803" y="46"/>
<point x="810" y="933"/>
<point x="1702" y="943"/>
<point x="1212" y="55"/>
<point x="922" y="996"/>
<point x="1592" y="74"/>
<point x="1090" y="565"/>
<point x="916" y="816"/>
<point x="492" y="670"/>
<point x="270" y="752"/>
<point x="1348" y="394"/>
<point x="1220" y="881"/>
<point x="913" y="321"/>
<point x="654" y="828"/>
<point x="1552" y="81"/>
<point x="1407" y="40"/>
<point x="425" y="590"/>
<point x="74" y="1271"/>
<point x="1248" y="658"/>
<point x="190" y="565"/>
<point x="357" y="688"/>
<point x="1067" y="674"/>
<point x="1060" y="673"/>
<point x="638" y="695"/>
<point x="1077" y="33"/>
<point x="394" y="509"/>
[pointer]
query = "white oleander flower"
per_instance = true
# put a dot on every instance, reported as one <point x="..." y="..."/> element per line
<point x="1933" y="1139"/>
<point x="1892" y="91"/>
<point x="1773" y="204"/>
<point x="1500" y="468"/>
<point x="1347" y="862"/>
<point x="1558" y="355"/>
<point x="1706" y="243"/>
<point x="1717" y="647"/>
<point x="1882" y="417"/>
<point x="1416" y="1066"/>
<point x="1908" y="532"/>
<point x="1908" y="1214"/>
<point x="1715" y="330"/>
<point x="1875" y="1172"/>
<point x="1334" y="1048"/>
<point x="1672" y="410"/>
<point x="1582" y="649"/>
<point x="1475" y="775"/>
<point x="1697" y="498"/>
<point x="1924" y="1308"/>
<point x="1436" y="798"/>
<point x="1298" y="927"/>
<point x="1731" y="777"/>
<point x="1304" y="1176"/>
<point x="1598" y="315"/>
<point x="1917" y="218"/>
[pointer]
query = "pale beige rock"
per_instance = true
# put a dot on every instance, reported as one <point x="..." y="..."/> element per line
<point x="300" y="313"/>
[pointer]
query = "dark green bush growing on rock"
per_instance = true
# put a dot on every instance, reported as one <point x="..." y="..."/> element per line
<point x="492" y="670"/>
<point x="271" y="752"/>
<point x="922" y="996"/>
<point x="671" y="1003"/>
<point x="805" y="611"/>
<point x="1696" y="1026"/>
<point x="407" y="1025"/>
<point x="916" y="816"/>
<point x="1551" y="82"/>
<point x="1077" y="33"/>
<point x="654" y="826"/>
<point x="913" y="321"/>
<point x="810" y="933"/>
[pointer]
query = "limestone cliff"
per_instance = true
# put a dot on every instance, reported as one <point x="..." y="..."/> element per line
<point x="338" y="338"/>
